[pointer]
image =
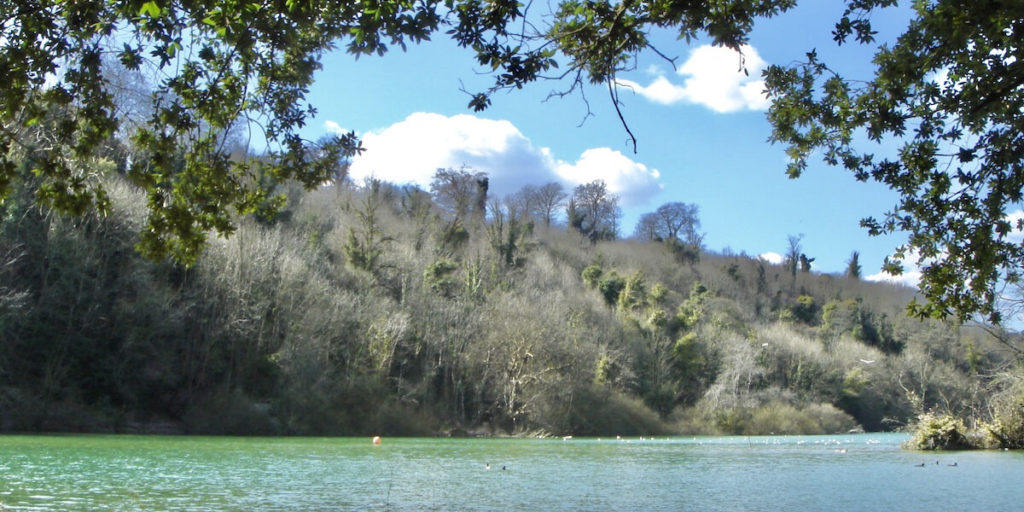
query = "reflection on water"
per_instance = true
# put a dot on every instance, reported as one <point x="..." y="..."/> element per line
<point x="857" y="472"/>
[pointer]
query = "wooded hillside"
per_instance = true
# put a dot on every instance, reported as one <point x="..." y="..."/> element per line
<point x="380" y="309"/>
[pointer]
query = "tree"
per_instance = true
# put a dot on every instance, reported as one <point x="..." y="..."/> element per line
<point x="547" y="199"/>
<point x="853" y="269"/>
<point x="594" y="212"/>
<point x="793" y="254"/>
<point x="647" y="228"/>
<point x="541" y="202"/>
<point x="216" y="62"/>
<point x="507" y="232"/>
<point x="805" y="263"/>
<point x="950" y="92"/>
<point x="671" y="221"/>
<point x="461" y="192"/>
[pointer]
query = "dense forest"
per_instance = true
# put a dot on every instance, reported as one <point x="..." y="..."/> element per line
<point x="391" y="309"/>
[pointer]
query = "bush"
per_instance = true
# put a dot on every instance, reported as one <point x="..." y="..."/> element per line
<point x="783" y="418"/>
<point x="591" y="275"/>
<point x="610" y="286"/>
<point x="939" y="432"/>
<point x="805" y="310"/>
<point x="776" y="417"/>
<point x="1007" y="429"/>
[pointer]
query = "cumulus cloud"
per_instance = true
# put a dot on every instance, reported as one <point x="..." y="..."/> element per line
<point x="911" y="275"/>
<point x="771" y="257"/>
<point x="633" y="181"/>
<point x="712" y="78"/>
<point x="335" y="128"/>
<point x="411" y="150"/>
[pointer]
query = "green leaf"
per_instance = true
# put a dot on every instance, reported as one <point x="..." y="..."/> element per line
<point x="150" y="9"/>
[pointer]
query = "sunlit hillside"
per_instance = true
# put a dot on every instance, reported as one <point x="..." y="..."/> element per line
<point x="394" y="310"/>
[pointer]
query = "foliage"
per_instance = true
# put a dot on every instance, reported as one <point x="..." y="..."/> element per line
<point x="939" y="432"/>
<point x="594" y="211"/>
<point x="218" y="62"/>
<point x="279" y="328"/>
<point x="215" y="62"/>
<point x="438" y="277"/>
<point x="691" y="311"/>
<point x="805" y="310"/>
<point x="1006" y="430"/>
<point x="611" y="285"/>
<point x="541" y="203"/>
<point x="853" y="268"/>
<point x="671" y="221"/>
<point x="365" y="249"/>
<point x="633" y="295"/>
<point x="591" y="275"/>
<point x="460" y="192"/>
<point x="948" y="92"/>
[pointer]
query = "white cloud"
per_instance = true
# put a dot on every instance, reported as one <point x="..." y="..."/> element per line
<point x="411" y="150"/>
<point x="771" y="257"/>
<point x="712" y="78"/>
<point x="633" y="181"/>
<point x="911" y="275"/>
<point x="334" y="128"/>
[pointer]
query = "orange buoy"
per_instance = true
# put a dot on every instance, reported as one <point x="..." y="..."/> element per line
<point x="376" y="440"/>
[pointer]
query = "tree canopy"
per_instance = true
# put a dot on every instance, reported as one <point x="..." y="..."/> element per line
<point x="949" y="90"/>
<point x="216" y="63"/>
<point x="950" y="93"/>
<point x="671" y="221"/>
<point x="594" y="212"/>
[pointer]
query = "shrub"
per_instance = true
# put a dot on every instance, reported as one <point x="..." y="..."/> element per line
<point x="599" y="412"/>
<point x="805" y="310"/>
<point x="1007" y="429"/>
<point x="610" y="286"/>
<point x="591" y="275"/>
<point x="437" y="277"/>
<point x="939" y="432"/>
<point x="784" y="418"/>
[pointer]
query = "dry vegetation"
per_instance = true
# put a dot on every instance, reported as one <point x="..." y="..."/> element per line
<point x="371" y="309"/>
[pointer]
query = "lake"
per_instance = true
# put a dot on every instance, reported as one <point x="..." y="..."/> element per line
<point x="850" y="472"/>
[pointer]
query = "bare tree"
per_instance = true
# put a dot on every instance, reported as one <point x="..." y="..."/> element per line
<point x="594" y="211"/>
<point x="460" y="192"/>
<point x="549" y="198"/>
<point x="647" y="228"/>
<point x="793" y="254"/>
<point x="541" y="202"/>
<point x="671" y="221"/>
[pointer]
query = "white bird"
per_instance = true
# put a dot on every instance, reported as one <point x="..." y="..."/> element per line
<point x="865" y="361"/>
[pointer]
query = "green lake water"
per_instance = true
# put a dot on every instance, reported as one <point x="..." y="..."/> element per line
<point x="856" y="472"/>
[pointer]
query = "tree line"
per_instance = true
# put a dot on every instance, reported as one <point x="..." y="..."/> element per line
<point x="394" y="309"/>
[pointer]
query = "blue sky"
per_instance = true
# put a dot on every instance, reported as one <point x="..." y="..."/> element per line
<point x="701" y="129"/>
